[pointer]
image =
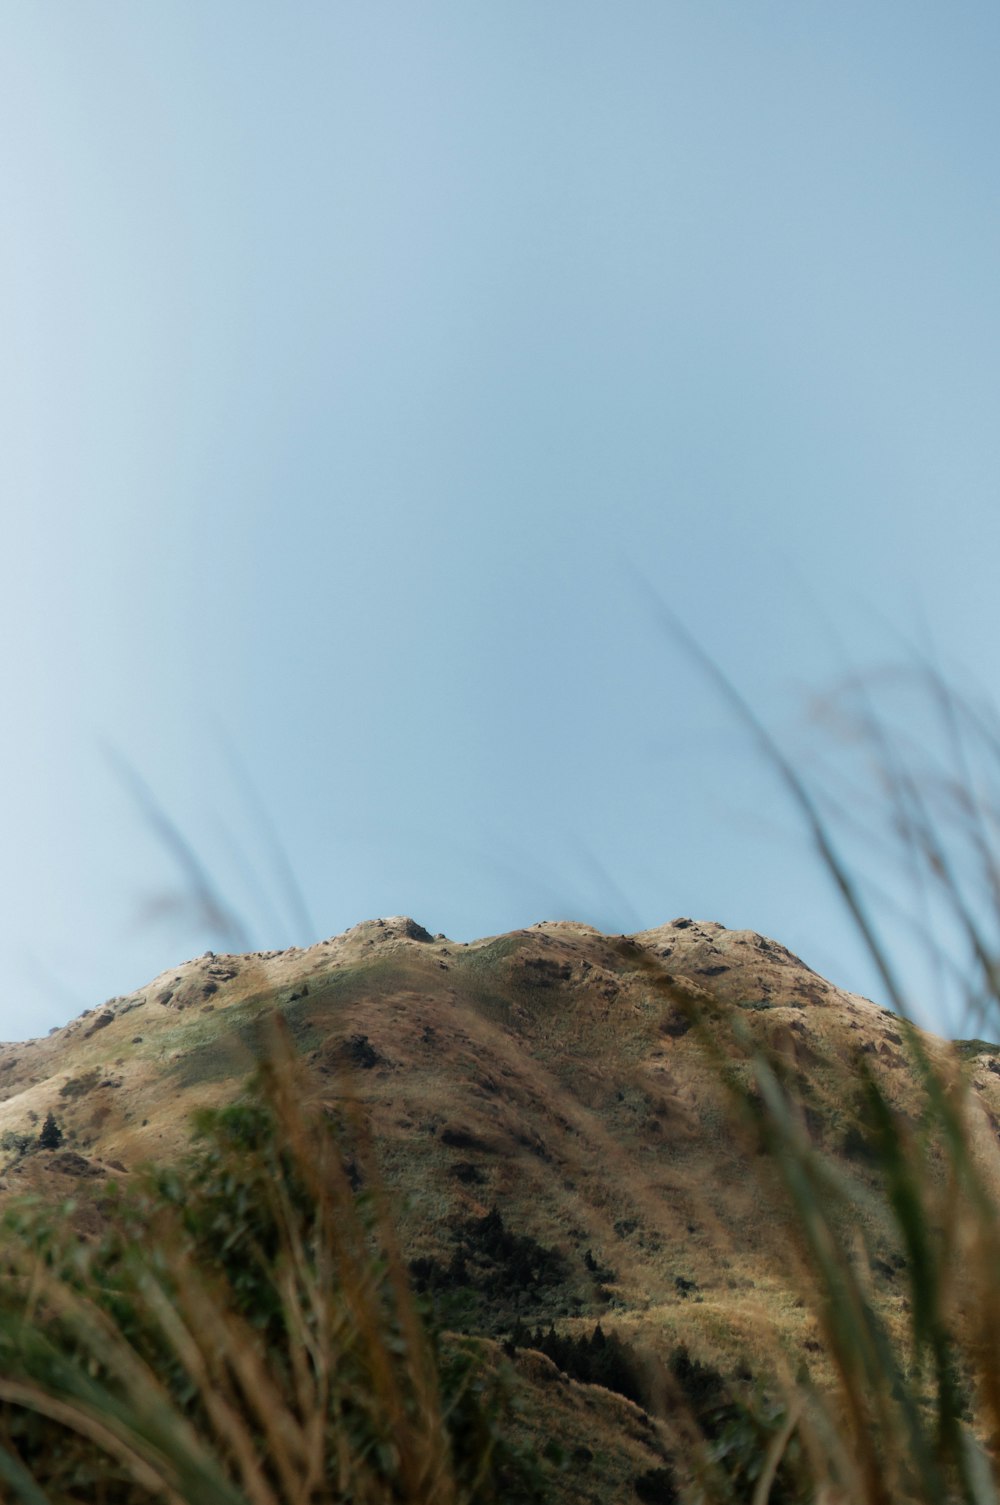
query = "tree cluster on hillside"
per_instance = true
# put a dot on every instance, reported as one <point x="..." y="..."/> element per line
<point x="598" y="1359"/>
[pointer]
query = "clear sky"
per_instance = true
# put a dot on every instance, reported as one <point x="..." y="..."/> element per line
<point x="355" y="361"/>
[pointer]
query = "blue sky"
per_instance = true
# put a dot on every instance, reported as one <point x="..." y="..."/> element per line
<point x="357" y="359"/>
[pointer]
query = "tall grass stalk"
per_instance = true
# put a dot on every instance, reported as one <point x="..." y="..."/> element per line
<point x="243" y="1334"/>
<point x="909" y="1415"/>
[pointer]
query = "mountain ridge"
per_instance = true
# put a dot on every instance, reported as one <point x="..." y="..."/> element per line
<point x="518" y="1050"/>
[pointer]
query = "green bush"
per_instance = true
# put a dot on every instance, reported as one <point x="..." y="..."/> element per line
<point x="13" y="1143"/>
<point x="51" y="1135"/>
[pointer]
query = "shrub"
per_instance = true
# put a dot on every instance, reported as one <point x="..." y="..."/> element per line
<point x="51" y="1135"/>
<point x="14" y="1143"/>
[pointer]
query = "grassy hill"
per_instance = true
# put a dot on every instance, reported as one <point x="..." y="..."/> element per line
<point x="571" y="1130"/>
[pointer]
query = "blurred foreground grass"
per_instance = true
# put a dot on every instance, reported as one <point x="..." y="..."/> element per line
<point x="911" y="1415"/>
<point x="242" y="1333"/>
<point x="244" y="1330"/>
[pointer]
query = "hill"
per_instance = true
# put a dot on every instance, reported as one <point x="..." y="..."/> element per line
<point x="567" y="1125"/>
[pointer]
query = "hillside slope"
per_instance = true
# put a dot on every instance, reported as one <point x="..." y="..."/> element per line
<point x="564" y="1119"/>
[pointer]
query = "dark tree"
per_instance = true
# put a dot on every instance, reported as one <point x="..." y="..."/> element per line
<point x="51" y="1136"/>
